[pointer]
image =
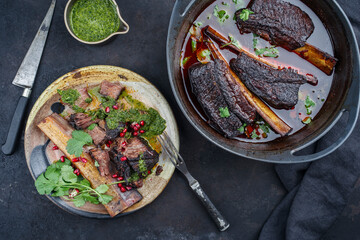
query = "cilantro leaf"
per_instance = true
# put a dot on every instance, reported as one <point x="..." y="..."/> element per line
<point x="85" y="182"/>
<point x="79" y="201"/>
<point x="224" y="112"/>
<point x="220" y="14"/>
<point x="309" y="102"/>
<point x="52" y="173"/>
<point x="242" y="128"/>
<point x="245" y="13"/>
<point x="75" y="144"/>
<point x="92" y="126"/>
<point x="60" y="191"/>
<point x="74" y="147"/>
<point x="102" y="188"/>
<point x="82" y="136"/>
<point x="105" y="199"/>
<point x="67" y="173"/>
<point x="44" y="185"/>
<point x="233" y="41"/>
<point x="254" y="134"/>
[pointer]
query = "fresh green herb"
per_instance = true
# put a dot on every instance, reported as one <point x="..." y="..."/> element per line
<point x="307" y="120"/>
<point x="88" y="100"/>
<point x="76" y="143"/>
<point x="59" y="180"/>
<point x="225" y="3"/>
<point x="233" y="41"/>
<point x="92" y="126"/>
<point x="224" y="112"/>
<point x="242" y="128"/>
<point x="198" y="24"/>
<point x="96" y="164"/>
<point x="142" y="166"/>
<point x="265" y="127"/>
<point x="309" y="103"/>
<point x="323" y="99"/>
<point x="193" y="45"/>
<point x="184" y="61"/>
<point x="254" y="135"/>
<point x="266" y="51"/>
<point x="204" y="56"/>
<point x="245" y="13"/>
<point x="78" y="109"/>
<point x="69" y="96"/>
<point x="220" y="14"/>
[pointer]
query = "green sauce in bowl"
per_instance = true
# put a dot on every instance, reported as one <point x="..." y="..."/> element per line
<point x="94" y="20"/>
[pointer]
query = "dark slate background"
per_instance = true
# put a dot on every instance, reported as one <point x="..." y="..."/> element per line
<point x="245" y="191"/>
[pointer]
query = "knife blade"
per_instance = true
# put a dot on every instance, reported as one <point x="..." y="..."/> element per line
<point x="25" y="78"/>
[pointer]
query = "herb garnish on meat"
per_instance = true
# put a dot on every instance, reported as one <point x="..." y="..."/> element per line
<point x="76" y="143"/>
<point x="59" y="179"/>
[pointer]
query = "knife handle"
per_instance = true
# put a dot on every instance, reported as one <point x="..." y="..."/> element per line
<point x="15" y="126"/>
<point x="219" y="220"/>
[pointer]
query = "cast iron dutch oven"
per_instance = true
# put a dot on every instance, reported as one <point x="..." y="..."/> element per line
<point x="343" y="96"/>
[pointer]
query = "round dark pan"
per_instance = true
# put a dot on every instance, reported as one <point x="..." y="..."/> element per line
<point x="343" y="96"/>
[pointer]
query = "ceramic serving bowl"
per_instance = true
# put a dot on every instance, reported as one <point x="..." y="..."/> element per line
<point x="123" y="28"/>
<point x="39" y="153"/>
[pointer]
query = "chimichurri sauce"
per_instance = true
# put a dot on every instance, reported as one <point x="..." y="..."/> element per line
<point x="94" y="20"/>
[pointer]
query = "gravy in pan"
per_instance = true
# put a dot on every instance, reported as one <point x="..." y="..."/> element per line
<point x="294" y="117"/>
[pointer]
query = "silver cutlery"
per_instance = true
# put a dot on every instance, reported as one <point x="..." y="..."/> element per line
<point x="179" y="163"/>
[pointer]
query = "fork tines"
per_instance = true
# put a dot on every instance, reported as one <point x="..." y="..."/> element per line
<point x="170" y="149"/>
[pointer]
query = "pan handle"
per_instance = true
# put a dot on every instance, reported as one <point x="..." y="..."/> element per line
<point x="351" y="106"/>
<point x="181" y="7"/>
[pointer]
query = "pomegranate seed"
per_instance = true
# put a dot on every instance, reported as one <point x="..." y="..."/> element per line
<point x="62" y="158"/>
<point x="142" y="131"/>
<point x="77" y="171"/>
<point x="110" y="142"/>
<point x="149" y="172"/>
<point x="115" y="176"/>
<point x="142" y="123"/>
<point x="122" y="189"/>
<point x="84" y="160"/>
<point x="75" y="160"/>
<point x="115" y="107"/>
<point x="120" y="185"/>
<point x="120" y="178"/>
<point x="55" y="147"/>
<point x="107" y="109"/>
<point x="135" y="133"/>
<point x="123" y="143"/>
<point x="123" y="149"/>
<point x="131" y="126"/>
<point x="125" y="130"/>
<point x="128" y="188"/>
<point x="122" y="134"/>
<point x="136" y="129"/>
<point x="107" y="144"/>
<point x="123" y="158"/>
<point x="137" y="125"/>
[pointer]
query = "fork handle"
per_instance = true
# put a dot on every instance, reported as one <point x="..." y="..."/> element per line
<point x="219" y="220"/>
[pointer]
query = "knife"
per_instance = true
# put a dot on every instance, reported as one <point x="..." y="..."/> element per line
<point x="25" y="78"/>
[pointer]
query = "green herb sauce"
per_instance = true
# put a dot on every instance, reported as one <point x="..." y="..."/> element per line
<point x="94" y="20"/>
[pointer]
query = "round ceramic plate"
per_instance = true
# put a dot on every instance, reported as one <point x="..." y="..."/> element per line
<point x="38" y="150"/>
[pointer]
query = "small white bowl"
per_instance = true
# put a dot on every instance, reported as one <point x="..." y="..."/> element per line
<point x="124" y="27"/>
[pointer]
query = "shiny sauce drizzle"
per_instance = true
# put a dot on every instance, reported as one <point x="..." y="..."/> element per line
<point x="220" y="16"/>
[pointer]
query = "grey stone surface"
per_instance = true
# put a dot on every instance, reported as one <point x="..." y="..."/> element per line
<point x="245" y="191"/>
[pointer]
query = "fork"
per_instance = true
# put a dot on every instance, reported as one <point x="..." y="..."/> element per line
<point x="179" y="163"/>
